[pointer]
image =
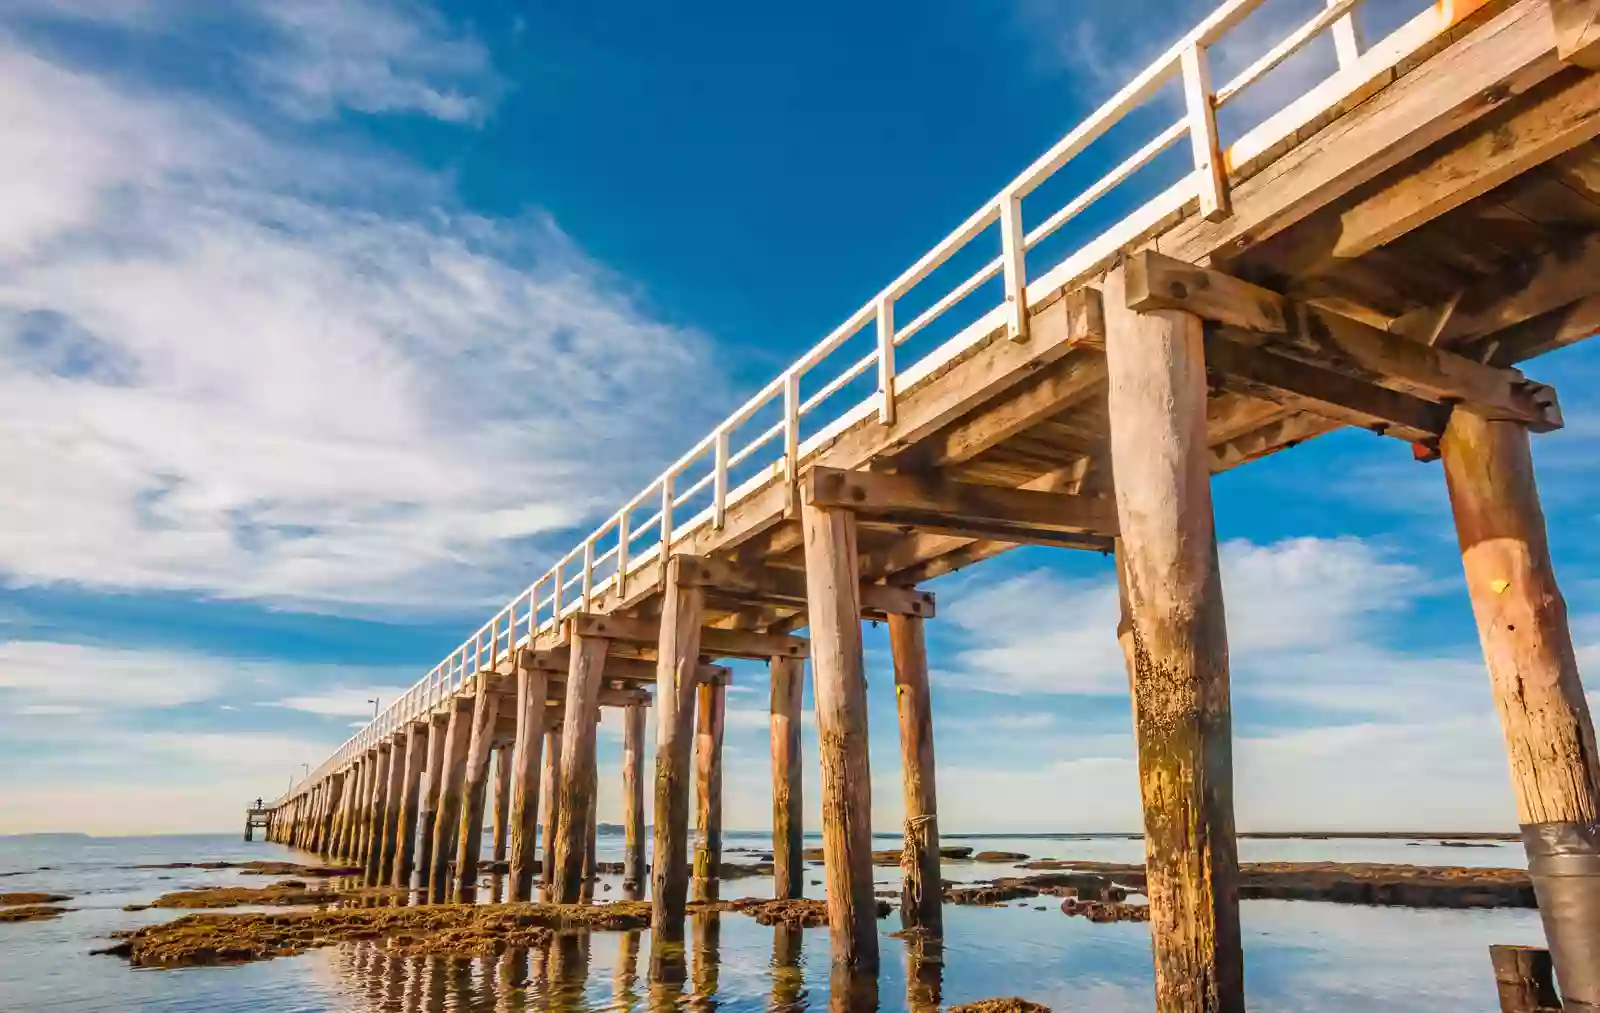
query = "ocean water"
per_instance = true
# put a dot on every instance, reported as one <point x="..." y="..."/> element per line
<point x="1300" y="956"/>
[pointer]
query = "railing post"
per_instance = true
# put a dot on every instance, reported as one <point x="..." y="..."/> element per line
<point x="621" y="581"/>
<point x="666" y="517"/>
<point x="791" y="426"/>
<point x="588" y="573"/>
<point x="886" y="359"/>
<point x="555" y="595"/>
<point x="1198" y="99"/>
<point x="1347" y="41"/>
<point x="1013" y="255"/>
<point x="719" y="480"/>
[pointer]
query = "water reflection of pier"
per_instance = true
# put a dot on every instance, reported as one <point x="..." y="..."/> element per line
<point x="633" y="970"/>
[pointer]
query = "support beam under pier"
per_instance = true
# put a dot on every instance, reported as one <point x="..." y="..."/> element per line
<point x="577" y="785"/>
<point x="404" y="840"/>
<point x="372" y="850"/>
<point x="921" y="898"/>
<point x="677" y="664"/>
<point x="474" y="792"/>
<point x="446" y="820"/>
<point x="428" y="798"/>
<point x="529" y="751"/>
<point x="633" y="868"/>
<point x="709" y="717"/>
<point x="1533" y="672"/>
<point x="1156" y="405"/>
<point x="788" y="868"/>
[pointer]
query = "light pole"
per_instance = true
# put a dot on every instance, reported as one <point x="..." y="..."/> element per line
<point x="374" y="703"/>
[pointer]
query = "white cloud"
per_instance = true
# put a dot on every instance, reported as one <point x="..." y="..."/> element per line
<point x="342" y="701"/>
<point x="55" y="678"/>
<point x="224" y="370"/>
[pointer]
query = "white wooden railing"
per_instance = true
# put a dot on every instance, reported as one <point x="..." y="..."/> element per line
<point x="625" y="545"/>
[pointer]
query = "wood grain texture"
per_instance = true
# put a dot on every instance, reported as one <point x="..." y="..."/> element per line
<point x="394" y="789"/>
<point x="577" y="786"/>
<point x="840" y="689"/>
<point x="921" y="896"/>
<point x="500" y="841"/>
<point x="428" y="800"/>
<point x="711" y="701"/>
<point x="1577" y="24"/>
<point x="532" y="685"/>
<point x="678" y="655"/>
<point x="788" y="822"/>
<point x="634" y="873"/>
<point x="405" y="833"/>
<point x="1522" y="620"/>
<point x="550" y="811"/>
<point x="447" y="815"/>
<point x="1157" y="407"/>
<point x="475" y="792"/>
<point x="372" y="850"/>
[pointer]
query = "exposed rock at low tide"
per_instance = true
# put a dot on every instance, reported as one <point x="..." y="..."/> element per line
<point x="289" y="893"/>
<point x="999" y="856"/>
<point x="31" y="913"/>
<point x="263" y="868"/>
<point x="1008" y="1004"/>
<point x="15" y="899"/>
<point x="1104" y="911"/>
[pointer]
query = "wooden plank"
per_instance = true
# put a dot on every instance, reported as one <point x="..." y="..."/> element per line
<point x="531" y="711"/>
<point x="1539" y="335"/>
<point x="1157" y="407"/>
<point x="840" y="687"/>
<point x="774" y="585"/>
<point x="709" y="719"/>
<point x="1556" y="117"/>
<point x="1556" y="278"/>
<point x="1490" y="67"/>
<point x="713" y="642"/>
<point x="1332" y="395"/>
<point x="788" y="822"/>
<point x="1577" y="25"/>
<point x="922" y="893"/>
<point x="1157" y="282"/>
<point x="1331" y="341"/>
<point x="577" y="785"/>
<point x="680" y="633"/>
<point x="930" y="501"/>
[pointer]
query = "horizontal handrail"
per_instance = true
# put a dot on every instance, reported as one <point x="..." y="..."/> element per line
<point x="572" y="584"/>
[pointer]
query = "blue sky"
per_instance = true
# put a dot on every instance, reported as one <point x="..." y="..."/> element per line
<point x="316" y="318"/>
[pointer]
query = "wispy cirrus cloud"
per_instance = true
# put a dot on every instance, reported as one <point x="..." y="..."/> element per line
<point x="229" y="366"/>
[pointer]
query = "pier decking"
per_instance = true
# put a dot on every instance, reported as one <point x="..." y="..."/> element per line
<point x="1379" y="253"/>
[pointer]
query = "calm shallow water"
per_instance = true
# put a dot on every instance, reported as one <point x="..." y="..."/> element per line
<point x="1299" y="956"/>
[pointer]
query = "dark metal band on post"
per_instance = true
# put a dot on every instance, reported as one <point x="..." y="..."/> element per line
<point x="1564" y="863"/>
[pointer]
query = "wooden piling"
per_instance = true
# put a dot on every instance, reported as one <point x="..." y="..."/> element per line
<point x="330" y="814"/>
<point x="361" y="810"/>
<point x="711" y="703"/>
<point x="577" y="802"/>
<point x="788" y="823"/>
<point x="393" y="789"/>
<point x="1533" y="673"/>
<point x="447" y="817"/>
<point x="1157" y="409"/>
<point x="1523" y="979"/>
<point x="428" y="800"/>
<point x="532" y="685"/>
<point x="633" y="870"/>
<point x="833" y="593"/>
<point x="921" y="896"/>
<point x="376" y="817"/>
<point x="586" y="883"/>
<point x="475" y="790"/>
<point x="339" y="845"/>
<point x="404" y="840"/>
<point x="550" y="808"/>
<point x="501" y="838"/>
<point x="677" y="671"/>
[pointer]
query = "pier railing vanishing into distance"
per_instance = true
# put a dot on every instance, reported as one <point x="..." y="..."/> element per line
<point x="1380" y="241"/>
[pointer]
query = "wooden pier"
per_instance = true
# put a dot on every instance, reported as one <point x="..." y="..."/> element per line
<point x="1378" y="254"/>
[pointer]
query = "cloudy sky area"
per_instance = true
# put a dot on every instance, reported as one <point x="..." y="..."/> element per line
<point x="325" y="326"/>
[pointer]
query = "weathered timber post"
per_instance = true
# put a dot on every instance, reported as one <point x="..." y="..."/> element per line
<point x="788" y="825"/>
<point x="393" y="789"/>
<point x="677" y="667"/>
<point x="1522" y="977"/>
<point x="330" y="814"/>
<point x="585" y="662"/>
<point x="550" y="811"/>
<point x="474" y="795"/>
<point x="361" y="810"/>
<point x="709" y="718"/>
<point x="452" y="774"/>
<point x="839" y="684"/>
<point x="377" y="818"/>
<point x="586" y="883"/>
<point x="500" y="841"/>
<point x="921" y="897"/>
<point x="532" y="685"/>
<point x="319" y="800"/>
<point x="404" y="839"/>
<point x="341" y="818"/>
<point x="788" y="980"/>
<point x="1157" y="409"/>
<point x="428" y="799"/>
<point x="633" y="871"/>
<point x="1533" y="672"/>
